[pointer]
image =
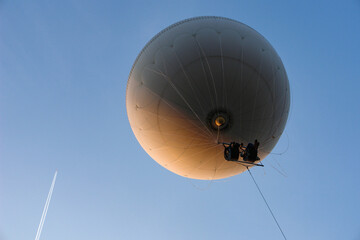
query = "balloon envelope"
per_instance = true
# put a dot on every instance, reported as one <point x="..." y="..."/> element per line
<point x="202" y="81"/>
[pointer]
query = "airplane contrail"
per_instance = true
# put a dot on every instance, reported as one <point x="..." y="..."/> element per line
<point x="43" y="216"/>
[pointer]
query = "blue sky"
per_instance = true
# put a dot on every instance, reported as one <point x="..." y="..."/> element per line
<point x="63" y="72"/>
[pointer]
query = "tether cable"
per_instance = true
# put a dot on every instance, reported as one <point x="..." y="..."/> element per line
<point x="272" y="214"/>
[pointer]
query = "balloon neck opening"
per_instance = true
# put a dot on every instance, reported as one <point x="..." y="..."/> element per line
<point x="219" y="120"/>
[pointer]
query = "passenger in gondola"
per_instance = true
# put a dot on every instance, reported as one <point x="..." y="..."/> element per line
<point x="232" y="151"/>
<point x="250" y="154"/>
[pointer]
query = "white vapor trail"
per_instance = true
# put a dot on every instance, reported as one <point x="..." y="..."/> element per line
<point x="43" y="216"/>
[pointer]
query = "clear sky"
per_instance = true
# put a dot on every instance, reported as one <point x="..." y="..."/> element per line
<point x="63" y="72"/>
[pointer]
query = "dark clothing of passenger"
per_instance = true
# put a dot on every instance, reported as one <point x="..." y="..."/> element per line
<point x="235" y="151"/>
<point x="232" y="152"/>
<point x="251" y="153"/>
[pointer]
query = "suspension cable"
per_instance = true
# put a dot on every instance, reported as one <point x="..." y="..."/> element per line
<point x="272" y="214"/>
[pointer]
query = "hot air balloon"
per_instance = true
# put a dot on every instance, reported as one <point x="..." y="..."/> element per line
<point x="202" y="82"/>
